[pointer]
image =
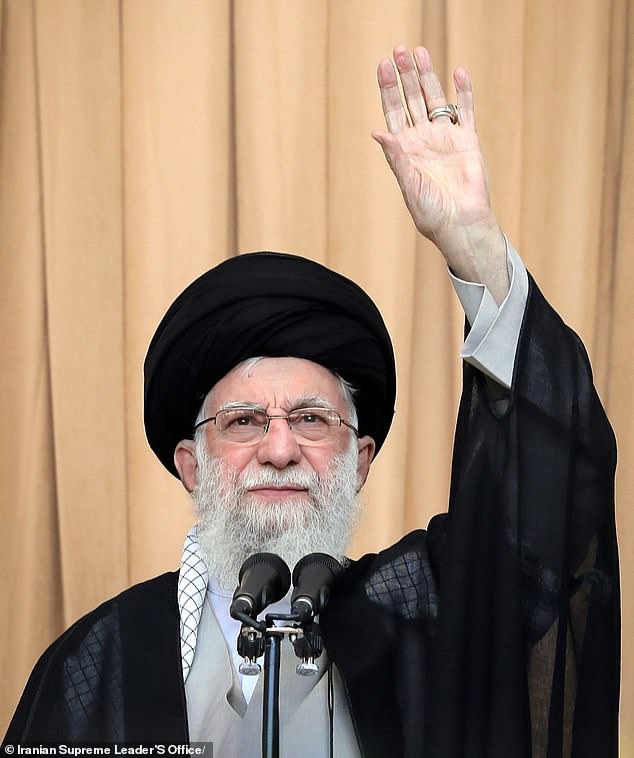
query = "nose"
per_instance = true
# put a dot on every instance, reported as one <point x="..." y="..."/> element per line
<point x="279" y="446"/>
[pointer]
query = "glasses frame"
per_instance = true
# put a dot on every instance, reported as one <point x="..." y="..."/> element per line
<point x="269" y="418"/>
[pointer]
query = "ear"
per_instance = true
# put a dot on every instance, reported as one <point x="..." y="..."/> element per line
<point x="366" y="448"/>
<point x="186" y="463"/>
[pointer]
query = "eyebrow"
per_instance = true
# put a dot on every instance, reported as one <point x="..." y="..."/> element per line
<point x="308" y="401"/>
<point x="312" y="401"/>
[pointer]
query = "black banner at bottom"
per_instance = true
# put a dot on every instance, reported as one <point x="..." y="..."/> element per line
<point x="90" y="749"/>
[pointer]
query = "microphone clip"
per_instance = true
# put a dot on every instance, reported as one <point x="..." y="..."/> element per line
<point x="250" y="647"/>
<point x="307" y="644"/>
<point x="305" y="638"/>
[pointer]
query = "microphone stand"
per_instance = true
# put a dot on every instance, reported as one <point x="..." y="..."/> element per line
<point x="273" y="636"/>
<point x="271" y="701"/>
<point x="263" y="579"/>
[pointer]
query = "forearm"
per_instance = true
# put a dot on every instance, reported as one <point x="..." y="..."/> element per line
<point x="477" y="254"/>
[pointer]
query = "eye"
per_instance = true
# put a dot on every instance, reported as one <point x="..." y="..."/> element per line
<point x="311" y="417"/>
<point x="240" y="419"/>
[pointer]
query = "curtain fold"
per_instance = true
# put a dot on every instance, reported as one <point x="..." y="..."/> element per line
<point x="144" y="141"/>
<point x="32" y="603"/>
<point x="178" y="218"/>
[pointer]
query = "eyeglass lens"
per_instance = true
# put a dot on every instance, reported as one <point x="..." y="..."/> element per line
<point x="250" y="424"/>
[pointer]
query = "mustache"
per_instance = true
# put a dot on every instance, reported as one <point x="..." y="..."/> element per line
<point x="267" y="478"/>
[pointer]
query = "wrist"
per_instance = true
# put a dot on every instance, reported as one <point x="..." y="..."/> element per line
<point x="477" y="253"/>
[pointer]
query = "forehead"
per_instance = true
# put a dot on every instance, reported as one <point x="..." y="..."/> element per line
<point x="277" y="383"/>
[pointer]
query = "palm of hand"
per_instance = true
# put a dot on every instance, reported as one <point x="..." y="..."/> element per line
<point x="442" y="176"/>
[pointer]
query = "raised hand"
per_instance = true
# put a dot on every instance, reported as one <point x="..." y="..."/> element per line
<point x="440" y="167"/>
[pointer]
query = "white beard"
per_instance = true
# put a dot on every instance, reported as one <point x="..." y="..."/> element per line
<point x="234" y="524"/>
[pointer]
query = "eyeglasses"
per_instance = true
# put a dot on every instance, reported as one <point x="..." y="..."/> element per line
<point x="247" y="426"/>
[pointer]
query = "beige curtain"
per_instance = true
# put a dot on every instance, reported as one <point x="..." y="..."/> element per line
<point x="143" y="141"/>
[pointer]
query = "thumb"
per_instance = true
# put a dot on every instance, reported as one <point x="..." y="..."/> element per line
<point x="392" y="150"/>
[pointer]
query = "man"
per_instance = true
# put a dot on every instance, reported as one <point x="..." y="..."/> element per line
<point x="270" y="387"/>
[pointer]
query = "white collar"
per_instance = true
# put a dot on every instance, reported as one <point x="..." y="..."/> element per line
<point x="192" y="588"/>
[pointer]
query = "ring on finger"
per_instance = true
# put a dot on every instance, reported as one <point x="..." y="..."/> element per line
<point x="450" y="110"/>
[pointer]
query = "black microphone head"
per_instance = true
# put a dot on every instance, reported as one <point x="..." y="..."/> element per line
<point x="322" y="560"/>
<point x="270" y="559"/>
<point x="264" y="578"/>
<point x="314" y="578"/>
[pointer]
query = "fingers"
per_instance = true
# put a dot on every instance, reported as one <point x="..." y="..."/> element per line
<point x="421" y="88"/>
<point x="430" y="84"/>
<point x="395" y="118"/>
<point x="464" y="96"/>
<point x="411" y="84"/>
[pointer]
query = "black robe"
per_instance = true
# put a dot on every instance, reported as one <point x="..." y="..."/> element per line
<point x="493" y="633"/>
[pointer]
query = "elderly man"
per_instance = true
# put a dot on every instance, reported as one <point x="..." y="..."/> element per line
<point x="270" y="386"/>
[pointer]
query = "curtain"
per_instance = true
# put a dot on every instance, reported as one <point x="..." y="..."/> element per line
<point x="144" y="141"/>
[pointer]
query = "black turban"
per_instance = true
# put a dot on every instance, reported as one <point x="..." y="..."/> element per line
<point x="265" y="304"/>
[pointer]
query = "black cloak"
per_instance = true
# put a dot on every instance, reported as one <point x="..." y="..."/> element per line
<point x="493" y="633"/>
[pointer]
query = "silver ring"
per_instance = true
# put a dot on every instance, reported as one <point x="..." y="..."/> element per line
<point x="449" y="110"/>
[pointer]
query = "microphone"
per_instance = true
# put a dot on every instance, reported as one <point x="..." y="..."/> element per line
<point x="264" y="579"/>
<point x="314" y="577"/>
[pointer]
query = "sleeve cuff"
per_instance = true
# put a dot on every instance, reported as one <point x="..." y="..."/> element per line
<point x="492" y="341"/>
